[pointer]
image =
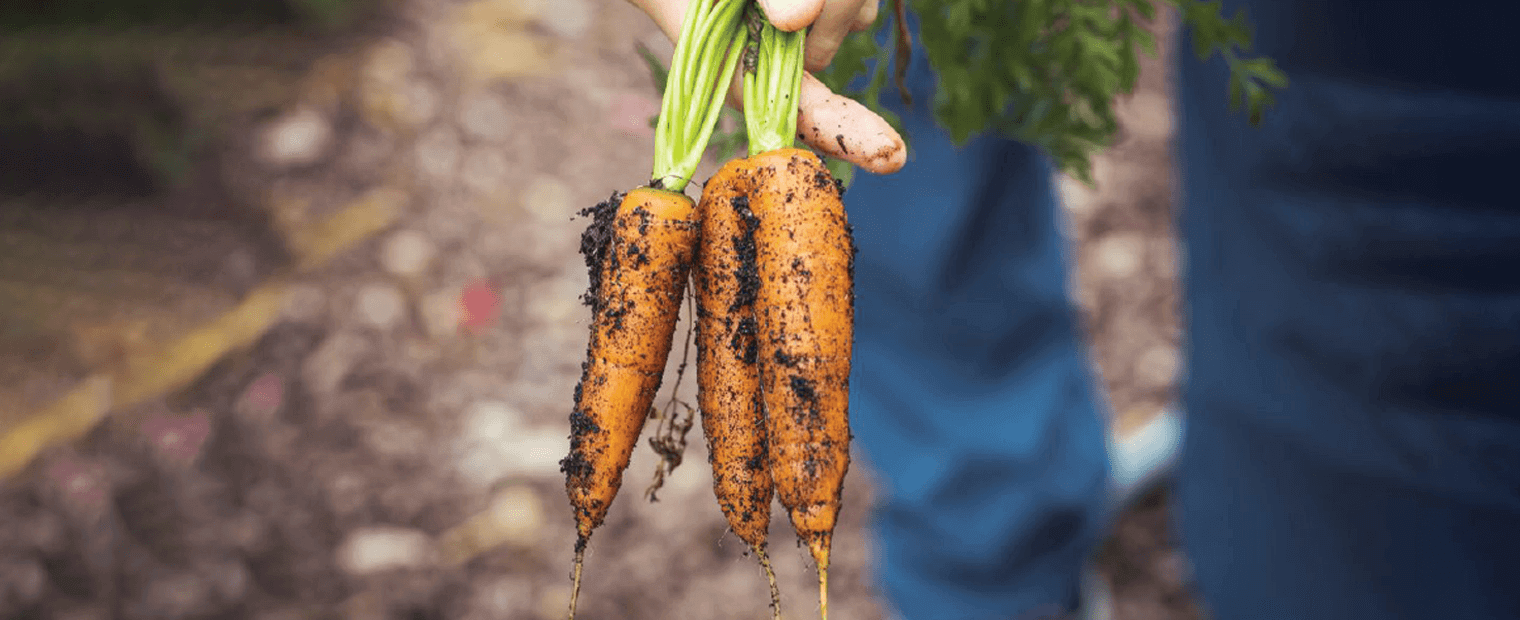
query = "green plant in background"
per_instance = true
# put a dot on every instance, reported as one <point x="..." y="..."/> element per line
<point x="1044" y="72"/>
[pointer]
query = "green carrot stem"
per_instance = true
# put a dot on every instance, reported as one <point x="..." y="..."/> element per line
<point x="772" y="88"/>
<point x="706" y="53"/>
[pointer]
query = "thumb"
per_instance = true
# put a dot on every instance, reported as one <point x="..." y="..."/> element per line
<point x="792" y="15"/>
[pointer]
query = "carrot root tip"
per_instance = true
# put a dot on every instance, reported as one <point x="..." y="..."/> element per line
<point x="770" y="576"/>
<point x="823" y="593"/>
<point x="575" y="579"/>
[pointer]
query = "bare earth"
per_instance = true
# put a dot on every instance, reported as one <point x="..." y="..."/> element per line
<point x="389" y="449"/>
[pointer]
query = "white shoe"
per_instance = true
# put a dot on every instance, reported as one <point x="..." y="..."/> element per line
<point x="1137" y="462"/>
<point x="1142" y="458"/>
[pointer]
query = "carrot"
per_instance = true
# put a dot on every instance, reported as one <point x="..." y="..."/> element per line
<point x="639" y="249"/>
<point x="806" y="317"/>
<point x="728" y="380"/>
<point x="640" y="252"/>
<point x="805" y="303"/>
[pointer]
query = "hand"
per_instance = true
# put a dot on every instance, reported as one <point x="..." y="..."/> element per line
<point x="837" y="126"/>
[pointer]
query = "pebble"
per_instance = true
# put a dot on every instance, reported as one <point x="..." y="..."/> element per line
<point x="24" y="578"/>
<point x="449" y="222"/>
<point x="482" y="465"/>
<point x="370" y="550"/>
<point x="518" y="513"/>
<point x="261" y="399"/>
<point x="491" y="421"/>
<point x="347" y="493"/>
<point x="568" y="19"/>
<point x="326" y="367"/>
<point x="297" y="139"/>
<point x="1157" y="366"/>
<point x="1119" y="256"/>
<point x="407" y="253"/>
<point x="441" y="313"/>
<point x="176" y="596"/>
<point x="558" y="301"/>
<point x="438" y="154"/>
<point x="537" y="452"/>
<point x="390" y="61"/>
<point x="380" y="305"/>
<point x="395" y="440"/>
<point x="484" y="116"/>
<point x="548" y="199"/>
<point x="83" y="485"/>
<point x="305" y="304"/>
<point x="422" y="103"/>
<point x="483" y="169"/>
<point x="552" y="602"/>
<point x="504" y="598"/>
<point x="515" y="516"/>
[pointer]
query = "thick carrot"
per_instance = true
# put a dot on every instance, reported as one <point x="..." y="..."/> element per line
<point x="728" y="379"/>
<point x="806" y="310"/>
<point x="639" y="252"/>
<point x="805" y="305"/>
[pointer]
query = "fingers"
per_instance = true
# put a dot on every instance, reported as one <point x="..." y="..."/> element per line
<point x="867" y="15"/>
<point x="793" y="15"/>
<point x="838" y="19"/>
<point x="843" y="128"/>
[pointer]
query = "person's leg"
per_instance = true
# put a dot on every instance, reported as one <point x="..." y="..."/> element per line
<point x="971" y="394"/>
<point x="1353" y="305"/>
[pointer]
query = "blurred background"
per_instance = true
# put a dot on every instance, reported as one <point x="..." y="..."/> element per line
<point x="289" y="318"/>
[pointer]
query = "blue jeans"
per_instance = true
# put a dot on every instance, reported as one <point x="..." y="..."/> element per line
<point x="971" y="395"/>
<point x="1353" y="312"/>
<point x="1353" y="288"/>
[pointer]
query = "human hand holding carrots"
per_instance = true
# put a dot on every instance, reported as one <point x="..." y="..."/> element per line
<point x="836" y="126"/>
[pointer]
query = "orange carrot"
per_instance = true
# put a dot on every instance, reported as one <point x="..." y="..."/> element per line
<point x="805" y="306"/>
<point x="728" y="380"/>
<point x="639" y="251"/>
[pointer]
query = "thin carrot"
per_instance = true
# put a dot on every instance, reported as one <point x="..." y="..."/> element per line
<point x="639" y="249"/>
<point x="640" y="252"/>
<point x="728" y="379"/>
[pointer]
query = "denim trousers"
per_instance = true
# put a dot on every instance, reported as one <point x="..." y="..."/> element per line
<point x="1352" y="323"/>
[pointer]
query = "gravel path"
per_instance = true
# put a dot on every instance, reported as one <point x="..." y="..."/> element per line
<point x="390" y="449"/>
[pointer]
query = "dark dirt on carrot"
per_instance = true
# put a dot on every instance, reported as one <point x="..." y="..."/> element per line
<point x="747" y="273"/>
<point x="595" y="241"/>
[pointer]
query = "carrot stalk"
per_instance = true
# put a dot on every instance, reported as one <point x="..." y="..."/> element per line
<point x="805" y="308"/>
<point x="709" y="48"/>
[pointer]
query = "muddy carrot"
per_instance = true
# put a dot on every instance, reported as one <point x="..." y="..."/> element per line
<point x="805" y="302"/>
<point x="728" y="380"/>
<point x="639" y="249"/>
<point x="805" y="311"/>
